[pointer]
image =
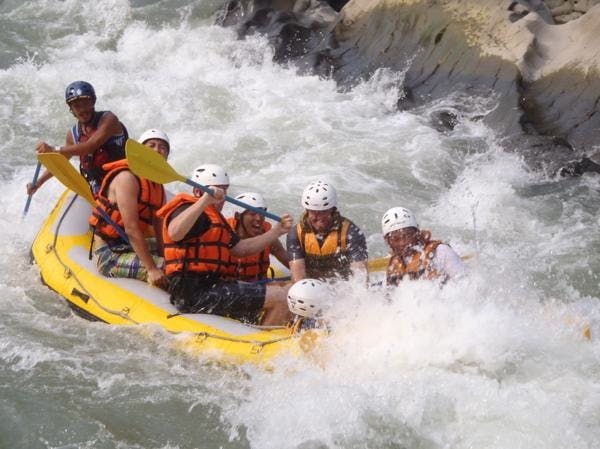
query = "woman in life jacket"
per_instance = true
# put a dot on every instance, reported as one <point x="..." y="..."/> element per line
<point x="247" y="223"/>
<point x="97" y="138"/>
<point x="414" y="255"/>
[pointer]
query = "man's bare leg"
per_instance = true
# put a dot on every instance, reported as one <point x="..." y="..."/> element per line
<point x="276" y="308"/>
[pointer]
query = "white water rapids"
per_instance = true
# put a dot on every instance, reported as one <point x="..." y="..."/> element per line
<point x="495" y="360"/>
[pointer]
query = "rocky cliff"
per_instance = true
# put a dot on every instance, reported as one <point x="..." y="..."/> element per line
<point x="538" y="61"/>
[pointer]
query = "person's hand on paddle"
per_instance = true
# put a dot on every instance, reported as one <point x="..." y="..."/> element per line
<point x="43" y="147"/>
<point x="285" y="224"/>
<point x="218" y="195"/>
<point x="37" y="181"/>
<point x="31" y="188"/>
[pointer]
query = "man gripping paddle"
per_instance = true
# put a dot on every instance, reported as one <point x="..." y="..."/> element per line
<point x="97" y="138"/>
<point x="198" y="243"/>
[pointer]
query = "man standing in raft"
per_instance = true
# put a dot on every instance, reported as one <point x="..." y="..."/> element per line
<point x="324" y="244"/>
<point x="198" y="243"/>
<point x="414" y="254"/>
<point x="97" y="138"/>
<point x="131" y="202"/>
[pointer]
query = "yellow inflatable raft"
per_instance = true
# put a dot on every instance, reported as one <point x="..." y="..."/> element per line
<point x="61" y="250"/>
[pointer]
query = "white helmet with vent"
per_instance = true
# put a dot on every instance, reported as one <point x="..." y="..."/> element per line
<point x="319" y="195"/>
<point x="210" y="175"/>
<point x="308" y="298"/>
<point x="154" y="134"/>
<point x="397" y="218"/>
<point x="254" y="199"/>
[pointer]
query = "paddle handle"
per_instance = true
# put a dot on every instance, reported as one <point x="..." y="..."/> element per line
<point x="234" y="201"/>
<point x="33" y="182"/>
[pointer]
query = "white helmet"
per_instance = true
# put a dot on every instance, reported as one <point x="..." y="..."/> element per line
<point x="210" y="175"/>
<point x="308" y="298"/>
<point x="397" y="218"/>
<point x="319" y="195"/>
<point x="252" y="199"/>
<point x="154" y="134"/>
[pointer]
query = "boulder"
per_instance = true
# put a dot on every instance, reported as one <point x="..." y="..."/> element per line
<point x="542" y="79"/>
<point x="295" y="28"/>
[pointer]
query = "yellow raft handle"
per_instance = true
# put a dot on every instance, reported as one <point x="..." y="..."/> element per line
<point x="85" y="298"/>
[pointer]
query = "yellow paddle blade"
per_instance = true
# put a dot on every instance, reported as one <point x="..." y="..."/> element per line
<point x="381" y="263"/>
<point x="378" y="264"/>
<point x="147" y="163"/>
<point x="62" y="170"/>
<point x="587" y="332"/>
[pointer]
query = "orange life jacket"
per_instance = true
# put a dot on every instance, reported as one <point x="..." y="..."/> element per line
<point x="206" y="253"/>
<point x="418" y="266"/>
<point x="249" y="268"/>
<point x="151" y="197"/>
<point x="329" y="259"/>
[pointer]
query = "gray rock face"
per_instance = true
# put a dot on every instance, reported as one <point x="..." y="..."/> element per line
<point x="296" y="28"/>
<point x="544" y="77"/>
<point x="564" y="11"/>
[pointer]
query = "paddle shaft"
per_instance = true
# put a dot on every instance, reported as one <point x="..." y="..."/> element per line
<point x="258" y="210"/>
<point x="146" y="163"/>
<point x="381" y="263"/>
<point x="33" y="182"/>
<point x="61" y="168"/>
<point x="267" y="280"/>
<point x="118" y="228"/>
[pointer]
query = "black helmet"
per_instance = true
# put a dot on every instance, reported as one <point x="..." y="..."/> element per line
<point x="79" y="89"/>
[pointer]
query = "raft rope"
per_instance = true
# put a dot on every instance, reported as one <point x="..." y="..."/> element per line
<point x="67" y="269"/>
<point x="257" y="343"/>
<point x="201" y="335"/>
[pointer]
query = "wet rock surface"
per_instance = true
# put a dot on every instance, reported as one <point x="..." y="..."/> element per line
<point x="537" y="61"/>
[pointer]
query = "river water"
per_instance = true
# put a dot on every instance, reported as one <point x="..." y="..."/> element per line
<point x="494" y="360"/>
